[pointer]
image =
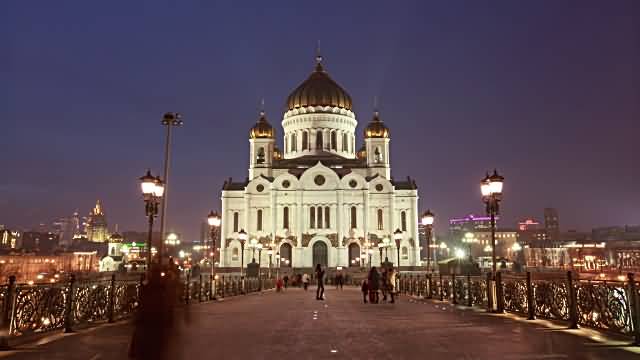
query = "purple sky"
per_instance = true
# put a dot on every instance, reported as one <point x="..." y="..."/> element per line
<point x="546" y="91"/>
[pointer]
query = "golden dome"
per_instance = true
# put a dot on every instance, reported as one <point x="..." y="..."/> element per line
<point x="376" y="128"/>
<point x="319" y="90"/>
<point x="362" y="153"/>
<point x="262" y="129"/>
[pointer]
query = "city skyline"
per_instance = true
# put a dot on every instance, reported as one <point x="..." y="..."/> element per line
<point x="547" y="97"/>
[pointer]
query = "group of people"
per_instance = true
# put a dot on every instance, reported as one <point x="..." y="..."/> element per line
<point x="384" y="282"/>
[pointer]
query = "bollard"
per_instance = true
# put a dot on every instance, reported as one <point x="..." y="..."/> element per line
<point x="499" y="293"/>
<point x="453" y="288"/>
<point x="112" y="299"/>
<point x="68" y="306"/>
<point x="490" y="297"/>
<point x="635" y="308"/>
<point x="7" y="313"/>
<point x="531" y="305"/>
<point x="573" y="303"/>
<point x="469" y="299"/>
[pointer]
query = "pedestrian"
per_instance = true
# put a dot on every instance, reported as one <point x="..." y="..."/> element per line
<point x="320" y="277"/>
<point x="279" y="285"/>
<point x="340" y="281"/>
<point x="391" y="285"/>
<point x="305" y="281"/>
<point x="365" y="290"/>
<point x="286" y="281"/>
<point x="384" y="279"/>
<point x="374" y="285"/>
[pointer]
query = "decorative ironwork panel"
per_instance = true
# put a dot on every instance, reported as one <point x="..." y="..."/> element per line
<point x="447" y="289"/>
<point x="551" y="299"/>
<point x="604" y="305"/>
<point x="38" y="308"/>
<point x="514" y="291"/>
<point x="479" y="291"/>
<point x="91" y="301"/>
<point x="461" y="290"/>
<point x="127" y="298"/>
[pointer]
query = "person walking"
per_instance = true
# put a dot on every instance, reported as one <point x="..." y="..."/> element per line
<point x="305" y="281"/>
<point x="320" y="278"/>
<point x="365" y="290"/>
<point x="391" y="284"/>
<point x="374" y="285"/>
<point x="286" y="281"/>
<point x="340" y="282"/>
<point x="384" y="282"/>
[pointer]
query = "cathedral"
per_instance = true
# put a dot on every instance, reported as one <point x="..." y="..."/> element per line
<point x="320" y="200"/>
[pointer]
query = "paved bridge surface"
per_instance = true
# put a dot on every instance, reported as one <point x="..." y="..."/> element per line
<point x="293" y="325"/>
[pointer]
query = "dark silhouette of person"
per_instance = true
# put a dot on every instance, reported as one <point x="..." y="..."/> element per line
<point x="374" y="285"/>
<point x="320" y="278"/>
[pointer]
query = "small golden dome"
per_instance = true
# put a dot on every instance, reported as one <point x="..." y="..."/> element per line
<point x="319" y="90"/>
<point x="376" y="128"/>
<point x="262" y="129"/>
<point x="277" y="154"/>
<point x="362" y="153"/>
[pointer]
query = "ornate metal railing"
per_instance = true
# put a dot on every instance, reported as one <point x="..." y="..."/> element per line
<point x="36" y="308"/>
<point x="605" y="305"/>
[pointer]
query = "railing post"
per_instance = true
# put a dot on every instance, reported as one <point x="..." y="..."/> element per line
<point x="212" y="287"/>
<point x="7" y="313"/>
<point x="429" y="287"/>
<point x="490" y="297"/>
<point x="453" y="288"/>
<point x="200" y="288"/>
<point x="187" y="289"/>
<point x="469" y="299"/>
<point x="112" y="299"/>
<point x="68" y="306"/>
<point x="573" y="303"/>
<point x="224" y="286"/>
<point x="499" y="292"/>
<point x="441" y="288"/>
<point x="635" y="308"/>
<point x="531" y="305"/>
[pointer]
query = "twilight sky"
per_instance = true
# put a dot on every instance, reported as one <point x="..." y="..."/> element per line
<point x="546" y="91"/>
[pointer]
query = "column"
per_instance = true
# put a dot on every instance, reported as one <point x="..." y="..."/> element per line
<point x="414" y="229"/>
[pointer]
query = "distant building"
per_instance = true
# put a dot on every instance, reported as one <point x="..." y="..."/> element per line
<point x="9" y="239"/>
<point x="40" y="242"/>
<point x="97" y="225"/>
<point x="533" y="234"/>
<point x="552" y="224"/>
<point x="616" y="233"/>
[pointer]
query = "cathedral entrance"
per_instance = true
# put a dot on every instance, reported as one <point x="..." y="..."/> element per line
<point x="354" y="254"/>
<point x="285" y="255"/>
<point x="320" y="254"/>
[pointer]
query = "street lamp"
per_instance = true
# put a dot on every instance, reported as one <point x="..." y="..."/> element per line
<point x="397" y="236"/>
<point x="242" y="236"/>
<point x="270" y="254"/>
<point x="385" y="244"/>
<point x="427" y="222"/>
<point x="152" y="191"/>
<point x="169" y="120"/>
<point x="491" y="189"/>
<point x="214" y="221"/>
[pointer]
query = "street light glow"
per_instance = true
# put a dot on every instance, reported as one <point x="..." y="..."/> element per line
<point x="460" y="253"/>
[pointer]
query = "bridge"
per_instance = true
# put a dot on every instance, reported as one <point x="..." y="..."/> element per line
<point x="250" y="320"/>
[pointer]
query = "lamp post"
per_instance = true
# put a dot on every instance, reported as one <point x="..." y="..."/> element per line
<point x="380" y="246"/>
<point x="427" y="222"/>
<point x="397" y="236"/>
<point x="169" y="120"/>
<point x="214" y="224"/>
<point x="242" y="236"/>
<point x="270" y="254"/>
<point x="491" y="189"/>
<point x="385" y="244"/>
<point x="152" y="192"/>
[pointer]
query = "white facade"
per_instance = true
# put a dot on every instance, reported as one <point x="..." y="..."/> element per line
<point x="320" y="201"/>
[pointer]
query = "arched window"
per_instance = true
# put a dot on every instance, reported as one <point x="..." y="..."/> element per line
<point x="319" y="140"/>
<point x="319" y="217"/>
<point x="354" y="222"/>
<point x="345" y="142"/>
<point x="259" y="220"/>
<point x="377" y="157"/>
<point x="294" y="142"/>
<point x="113" y="251"/>
<point x="327" y="217"/>
<point x="260" y="157"/>
<point x="236" y="221"/>
<point x="312" y="217"/>
<point x="305" y="141"/>
<point x="403" y="220"/>
<point x="380" y="220"/>
<point x="285" y="217"/>
<point x="334" y="141"/>
<point x="234" y="254"/>
<point x="405" y="253"/>
<point x="353" y="145"/>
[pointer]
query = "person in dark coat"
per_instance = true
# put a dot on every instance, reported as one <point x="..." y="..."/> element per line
<point x="365" y="290"/>
<point x="320" y="277"/>
<point x="374" y="285"/>
<point x="384" y="279"/>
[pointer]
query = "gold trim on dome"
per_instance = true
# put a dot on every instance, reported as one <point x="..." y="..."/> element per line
<point x="376" y="128"/>
<point x="262" y="129"/>
<point x="319" y="89"/>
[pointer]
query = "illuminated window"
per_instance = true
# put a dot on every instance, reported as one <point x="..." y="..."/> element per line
<point x="405" y="253"/>
<point x="334" y="141"/>
<point x="294" y="142"/>
<point x="235" y="221"/>
<point x="319" y="140"/>
<point x="259" y="220"/>
<point x="285" y="217"/>
<point x="327" y="217"/>
<point x="234" y="254"/>
<point x="305" y="140"/>
<point x="403" y="220"/>
<point x="380" y="220"/>
<point x="312" y="217"/>
<point x="345" y="142"/>
<point x="319" y="217"/>
<point x="354" y="223"/>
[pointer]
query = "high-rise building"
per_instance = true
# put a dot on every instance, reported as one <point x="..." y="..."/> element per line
<point x="97" y="225"/>
<point x="532" y="233"/>
<point x="552" y="224"/>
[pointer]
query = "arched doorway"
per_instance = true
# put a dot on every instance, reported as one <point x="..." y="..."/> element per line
<point x="285" y="255"/>
<point x="320" y="254"/>
<point x="354" y="254"/>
